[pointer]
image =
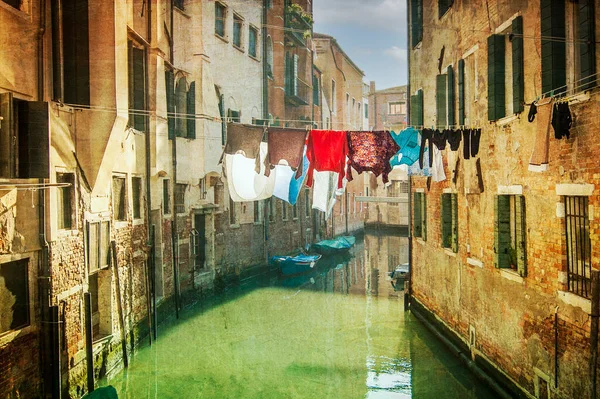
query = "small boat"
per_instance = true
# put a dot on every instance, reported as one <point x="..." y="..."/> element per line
<point x="337" y="245"/>
<point x="400" y="272"/>
<point x="295" y="264"/>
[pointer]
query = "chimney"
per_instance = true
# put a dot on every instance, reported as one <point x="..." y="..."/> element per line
<point x="372" y="87"/>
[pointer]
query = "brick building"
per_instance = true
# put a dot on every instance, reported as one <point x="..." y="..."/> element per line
<point x="387" y="108"/>
<point x="503" y="254"/>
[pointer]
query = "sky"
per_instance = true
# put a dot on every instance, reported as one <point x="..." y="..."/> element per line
<point x="373" y="34"/>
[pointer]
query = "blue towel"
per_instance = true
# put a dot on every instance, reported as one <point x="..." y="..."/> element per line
<point x="408" y="140"/>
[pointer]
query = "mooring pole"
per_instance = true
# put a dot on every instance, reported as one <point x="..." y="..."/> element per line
<point x="113" y="247"/>
<point x="89" y="353"/>
<point x="594" y="331"/>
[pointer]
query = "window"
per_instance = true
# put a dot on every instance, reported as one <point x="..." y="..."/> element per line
<point x="579" y="247"/>
<point x="14" y="290"/>
<point x="348" y="106"/>
<point x="416" y="21"/>
<point x="70" y="50"/>
<point x="397" y="108"/>
<point x="257" y="211"/>
<point x="232" y="212"/>
<point x="136" y="194"/>
<point x="252" y="41"/>
<point x="170" y="96"/>
<point x="238" y="23"/>
<point x="366" y="111"/>
<point x="180" y="190"/>
<point x="450" y="221"/>
<point x="20" y="5"/>
<point x="306" y="203"/>
<point x="220" y="14"/>
<point x="137" y="87"/>
<point x="440" y="100"/>
<point x="178" y="4"/>
<point x="443" y="7"/>
<point x="166" y="196"/>
<point x="554" y="66"/>
<point x="316" y="90"/>
<point x="333" y="96"/>
<point x="284" y="211"/>
<point x="585" y="74"/>
<point x="98" y="245"/>
<point x="269" y="57"/>
<point x="202" y="188"/>
<point x="272" y="210"/>
<point x="352" y="115"/>
<point x="233" y="116"/>
<point x="509" y="233"/>
<point x="416" y="109"/>
<point x="66" y="201"/>
<point x="420" y="215"/>
<point x="181" y="108"/>
<point x="295" y="211"/>
<point x="100" y="290"/>
<point x="505" y="72"/>
<point x="119" y="193"/>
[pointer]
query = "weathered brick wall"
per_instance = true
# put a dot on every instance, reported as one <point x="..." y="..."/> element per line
<point x="19" y="369"/>
<point x="513" y="317"/>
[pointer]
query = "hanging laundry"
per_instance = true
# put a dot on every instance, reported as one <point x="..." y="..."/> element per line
<point x="466" y="143"/>
<point x="561" y="120"/>
<point x="439" y="138"/>
<point x="454" y="137"/>
<point x="244" y="183"/>
<point x="370" y="151"/>
<point x="286" y="145"/>
<point x="408" y="140"/>
<point x="539" y="157"/>
<point x="475" y="139"/>
<point x="287" y="186"/>
<point x="416" y="170"/>
<point x="324" y="191"/>
<point x="426" y="135"/>
<point x="327" y="151"/>
<point x="437" y="171"/>
<point x="471" y="139"/>
<point x="532" y="112"/>
<point x="245" y="140"/>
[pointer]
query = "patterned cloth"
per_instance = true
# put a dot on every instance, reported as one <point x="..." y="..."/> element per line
<point x="370" y="151"/>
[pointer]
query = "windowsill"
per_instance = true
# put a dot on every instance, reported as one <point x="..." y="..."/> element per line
<point x="223" y="38"/>
<point x="575" y="300"/>
<point x="9" y="336"/>
<point x="119" y="224"/>
<point x="102" y="340"/>
<point x="138" y="222"/>
<point x="474" y="262"/>
<point x="450" y="252"/>
<point x="579" y="98"/>
<point x="66" y="232"/>
<point x="234" y="226"/>
<point x="258" y="223"/>
<point x="512" y="275"/>
<point x="238" y="48"/>
<point x="284" y="220"/>
<point x="418" y="46"/>
<point x="294" y="218"/>
<point x="420" y="240"/>
<point x="255" y="58"/>
<point x="182" y="12"/>
<point x="21" y="14"/>
<point x="506" y="120"/>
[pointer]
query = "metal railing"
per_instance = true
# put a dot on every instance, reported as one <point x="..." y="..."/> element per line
<point x="579" y="264"/>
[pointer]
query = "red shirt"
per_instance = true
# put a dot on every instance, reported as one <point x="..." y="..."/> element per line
<point x="327" y="150"/>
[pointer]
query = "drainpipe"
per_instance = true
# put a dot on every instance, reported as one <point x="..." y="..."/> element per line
<point x="147" y="141"/>
<point x="174" y="237"/>
<point x="265" y="100"/>
<point x="408" y="292"/>
<point x="594" y="331"/>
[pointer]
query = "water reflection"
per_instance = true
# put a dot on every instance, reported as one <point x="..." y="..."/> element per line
<point x="337" y="332"/>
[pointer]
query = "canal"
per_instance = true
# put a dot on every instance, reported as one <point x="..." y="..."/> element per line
<point x="338" y="332"/>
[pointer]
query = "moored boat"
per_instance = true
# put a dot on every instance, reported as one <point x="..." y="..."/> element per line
<point x="295" y="264"/>
<point x="334" y="246"/>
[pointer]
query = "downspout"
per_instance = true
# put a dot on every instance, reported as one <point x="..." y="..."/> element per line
<point x="265" y="100"/>
<point x="174" y="238"/>
<point x="408" y="293"/>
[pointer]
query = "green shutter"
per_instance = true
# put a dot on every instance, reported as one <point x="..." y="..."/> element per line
<point x="454" y="203"/>
<point x="417" y="225"/>
<point x="444" y="6"/>
<point x="518" y="74"/>
<point x="33" y="139"/>
<point x="416" y="20"/>
<point x="496" y="77"/>
<point x="139" y="89"/>
<point x="170" y="92"/>
<point x="440" y="100"/>
<point x="295" y="74"/>
<point x="416" y="109"/>
<point x="451" y="97"/>
<point x="421" y="109"/>
<point x="446" y="220"/>
<point x="191" y="111"/>
<point x="587" y="47"/>
<point x="502" y="231"/>
<point x="424" y="216"/>
<point x="461" y="92"/>
<point x="554" y="66"/>
<point x="521" y="231"/>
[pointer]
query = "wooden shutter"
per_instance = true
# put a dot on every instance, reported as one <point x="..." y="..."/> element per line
<point x="446" y="220"/>
<point x="424" y="216"/>
<point x="496" y="77"/>
<point x="34" y="140"/>
<point x="295" y="74"/>
<point x="417" y="221"/>
<point x="587" y="47"/>
<point x="413" y="110"/>
<point x="554" y="67"/>
<point x="440" y="100"/>
<point x="502" y="231"/>
<point x="454" y="203"/>
<point x="451" y="96"/>
<point x="420" y="110"/>
<point x="191" y="111"/>
<point x="416" y="109"/>
<point x="521" y="235"/>
<point x="461" y="92"/>
<point x="7" y="156"/>
<point x="170" y="91"/>
<point x="518" y="74"/>
<point x="139" y="88"/>
<point x="76" y="51"/>
<point x="416" y="20"/>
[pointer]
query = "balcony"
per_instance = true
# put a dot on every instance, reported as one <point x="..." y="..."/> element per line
<point x="297" y="91"/>
<point x="297" y="26"/>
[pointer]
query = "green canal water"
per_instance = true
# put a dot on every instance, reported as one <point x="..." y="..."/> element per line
<point x="338" y="332"/>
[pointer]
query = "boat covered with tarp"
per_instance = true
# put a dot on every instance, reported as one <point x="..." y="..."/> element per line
<point x="290" y="265"/>
<point x="334" y="246"/>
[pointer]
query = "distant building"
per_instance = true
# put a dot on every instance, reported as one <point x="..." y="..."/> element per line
<point x="387" y="108"/>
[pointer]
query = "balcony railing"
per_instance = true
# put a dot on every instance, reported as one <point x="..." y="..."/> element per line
<point x="297" y="91"/>
<point x="296" y="27"/>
